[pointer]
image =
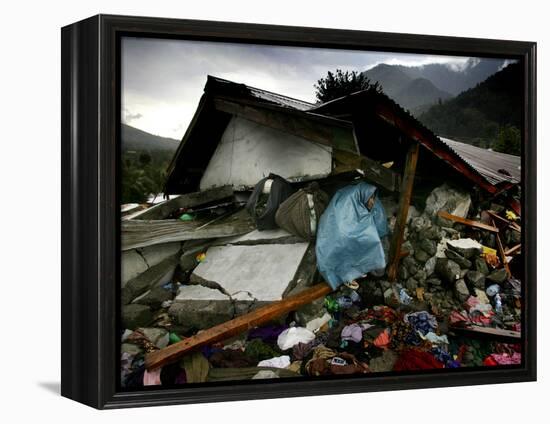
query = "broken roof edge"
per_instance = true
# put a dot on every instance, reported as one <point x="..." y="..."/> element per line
<point x="427" y="137"/>
<point x="216" y="87"/>
<point x="239" y="94"/>
<point x="184" y="139"/>
<point x="473" y="155"/>
<point x="285" y="101"/>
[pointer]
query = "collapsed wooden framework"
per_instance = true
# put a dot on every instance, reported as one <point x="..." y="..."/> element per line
<point x="327" y="125"/>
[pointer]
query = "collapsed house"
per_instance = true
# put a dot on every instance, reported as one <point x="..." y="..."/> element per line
<point x="197" y="260"/>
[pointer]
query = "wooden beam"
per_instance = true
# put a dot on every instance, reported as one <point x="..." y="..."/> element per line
<point x="235" y="326"/>
<point x="513" y="225"/>
<point x="189" y="200"/>
<point x="311" y="128"/>
<point x="140" y="233"/>
<point x="403" y="210"/>
<point x="372" y="170"/>
<point x="505" y="336"/>
<point x="422" y="135"/>
<point x="502" y="255"/>
<point x="513" y="250"/>
<point x="469" y="222"/>
<point x="498" y="217"/>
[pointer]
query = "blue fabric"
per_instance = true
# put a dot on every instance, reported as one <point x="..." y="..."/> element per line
<point x="349" y="235"/>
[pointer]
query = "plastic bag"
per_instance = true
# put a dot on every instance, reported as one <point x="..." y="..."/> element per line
<point x="264" y="215"/>
<point x="349" y="235"/>
<point x="300" y="213"/>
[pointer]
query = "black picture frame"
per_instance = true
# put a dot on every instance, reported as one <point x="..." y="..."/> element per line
<point x="90" y="208"/>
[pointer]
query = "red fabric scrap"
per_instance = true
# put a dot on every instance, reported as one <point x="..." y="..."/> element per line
<point x="489" y="361"/>
<point x="414" y="360"/>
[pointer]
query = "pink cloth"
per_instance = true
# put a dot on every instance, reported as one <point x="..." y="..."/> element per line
<point x="352" y="332"/>
<point x="152" y="378"/>
<point x="456" y="317"/>
<point x="507" y="359"/>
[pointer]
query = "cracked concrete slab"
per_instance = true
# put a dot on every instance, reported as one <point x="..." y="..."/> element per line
<point x="264" y="272"/>
<point x="155" y="254"/>
<point x="132" y="264"/>
<point x="196" y="292"/>
<point x="197" y="307"/>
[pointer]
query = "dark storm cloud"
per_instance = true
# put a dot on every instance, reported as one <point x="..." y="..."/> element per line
<point x="164" y="79"/>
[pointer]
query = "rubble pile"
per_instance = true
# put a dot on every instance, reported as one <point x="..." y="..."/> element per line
<point x="455" y="302"/>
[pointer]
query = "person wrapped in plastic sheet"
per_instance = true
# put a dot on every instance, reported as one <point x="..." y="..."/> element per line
<point x="350" y="232"/>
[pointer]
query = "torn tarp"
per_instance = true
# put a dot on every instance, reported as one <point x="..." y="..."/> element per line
<point x="349" y="235"/>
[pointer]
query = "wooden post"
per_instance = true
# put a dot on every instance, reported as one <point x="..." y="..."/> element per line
<point x="403" y="210"/>
<point x="236" y="326"/>
<point x="502" y="255"/>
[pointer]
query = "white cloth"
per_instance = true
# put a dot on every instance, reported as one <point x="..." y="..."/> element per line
<point x="315" y="324"/>
<point x="275" y="362"/>
<point x="265" y="374"/>
<point x="434" y="338"/>
<point x="294" y="335"/>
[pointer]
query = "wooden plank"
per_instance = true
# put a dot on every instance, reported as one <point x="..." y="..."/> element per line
<point x="513" y="225"/>
<point x="502" y="255"/>
<point x="469" y="222"/>
<point x="403" y="210"/>
<point x="372" y="170"/>
<point x="516" y="227"/>
<point x="416" y="132"/>
<point x="235" y="326"/>
<point x="498" y="217"/>
<point x="506" y="336"/>
<point x="141" y="233"/>
<point x="513" y="250"/>
<point x="189" y="200"/>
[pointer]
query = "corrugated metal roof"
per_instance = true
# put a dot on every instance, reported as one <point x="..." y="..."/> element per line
<point x="492" y="165"/>
<point x="268" y="96"/>
<point x="487" y="168"/>
<point x="280" y="100"/>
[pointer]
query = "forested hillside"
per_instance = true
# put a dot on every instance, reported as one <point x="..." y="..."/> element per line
<point x="487" y="115"/>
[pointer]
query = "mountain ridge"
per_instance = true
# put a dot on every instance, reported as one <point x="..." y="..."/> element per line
<point x="478" y="115"/>
<point x="139" y="140"/>
<point x="398" y="81"/>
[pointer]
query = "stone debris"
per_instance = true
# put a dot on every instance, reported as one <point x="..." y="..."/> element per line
<point x="449" y="279"/>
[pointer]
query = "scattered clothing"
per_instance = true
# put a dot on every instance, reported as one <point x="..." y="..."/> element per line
<point x="294" y="335"/>
<point x="268" y="333"/>
<point x="353" y="332"/>
<point x="434" y="338"/>
<point x="315" y="324"/>
<point x="196" y="367"/>
<point x="277" y="362"/>
<point x="152" y="378"/>
<point x="422" y="321"/>
<point x="265" y="374"/>
<point x="416" y="360"/>
<point x="257" y="350"/>
<point x="506" y="359"/>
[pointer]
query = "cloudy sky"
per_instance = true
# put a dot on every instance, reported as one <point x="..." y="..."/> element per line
<point x="162" y="80"/>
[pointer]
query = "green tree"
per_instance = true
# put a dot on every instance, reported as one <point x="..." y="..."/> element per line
<point x="143" y="174"/>
<point x="508" y="140"/>
<point x="341" y="83"/>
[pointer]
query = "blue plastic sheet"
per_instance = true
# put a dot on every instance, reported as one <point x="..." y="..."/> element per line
<point x="349" y="235"/>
